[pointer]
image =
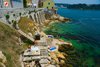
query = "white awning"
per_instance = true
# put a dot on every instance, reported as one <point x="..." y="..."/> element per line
<point x="34" y="48"/>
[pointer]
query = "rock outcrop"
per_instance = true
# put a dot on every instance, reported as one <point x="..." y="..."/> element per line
<point x="3" y="59"/>
<point x="60" y="18"/>
<point x="9" y="47"/>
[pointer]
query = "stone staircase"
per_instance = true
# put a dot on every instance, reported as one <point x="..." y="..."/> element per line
<point x="25" y="35"/>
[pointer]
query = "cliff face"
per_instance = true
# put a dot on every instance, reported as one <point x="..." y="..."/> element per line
<point x="3" y="59"/>
<point x="9" y="45"/>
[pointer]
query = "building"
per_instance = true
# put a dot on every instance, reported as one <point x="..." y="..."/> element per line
<point x="11" y="4"/>
<point x="49" y="4"/>
<point x="29" y="3"/>
<point x="35" y="3"/>
<point x="17" y="4"/>
<point x="32" y="3"/>
<point x="41" y="3"/>
<point x="35" y="50"/>
<point x="6" y="4"/>
<point x="31" y="54"/>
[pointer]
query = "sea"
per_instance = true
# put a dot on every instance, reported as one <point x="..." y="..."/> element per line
<point x="83" y="31"/>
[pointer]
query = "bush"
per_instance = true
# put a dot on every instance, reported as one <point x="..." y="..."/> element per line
<point x="20" y="14"/>
<point x="13" y="14"/>
<point x="7" y="16"/>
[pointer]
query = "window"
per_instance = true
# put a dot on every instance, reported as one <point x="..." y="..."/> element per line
<point x="36" y="50"/>
<point x="48" y="3"/>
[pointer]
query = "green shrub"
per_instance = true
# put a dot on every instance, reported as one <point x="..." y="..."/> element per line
<point x="7" y="16"/>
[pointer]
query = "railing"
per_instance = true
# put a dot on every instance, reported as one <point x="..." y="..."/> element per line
<point x="27" y="36"/>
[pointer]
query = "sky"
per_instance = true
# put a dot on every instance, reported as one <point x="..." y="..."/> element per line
<point x="16" y="0"/>
<point x="78" y="1"/>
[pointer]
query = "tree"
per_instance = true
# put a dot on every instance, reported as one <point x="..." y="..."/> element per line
<point x="7" y="17"/>
<point x="20" y="14"/>
<point x="24" y="3"/>
<point x="13" y="14"/>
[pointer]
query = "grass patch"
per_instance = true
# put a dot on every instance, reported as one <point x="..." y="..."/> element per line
<point x="9" y="45"/>
<point x="27" y="25"/>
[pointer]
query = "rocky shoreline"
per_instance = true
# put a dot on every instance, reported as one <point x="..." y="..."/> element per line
<point x="3" y="59"/>
<point x="60" y="18"/>
<point x="58" y="55"/>
<point x="69" y="55"/>
<point x="56" y="19"/>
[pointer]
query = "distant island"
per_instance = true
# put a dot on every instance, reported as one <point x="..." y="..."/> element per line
<point x="80" y="6"/>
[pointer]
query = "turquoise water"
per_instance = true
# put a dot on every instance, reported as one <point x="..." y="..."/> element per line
<point x="83" y="31"/>
<point x="85" y="26"/>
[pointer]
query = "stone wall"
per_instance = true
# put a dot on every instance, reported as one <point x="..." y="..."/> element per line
<point x="3" y="59"/>
<point x="36" y="15"/>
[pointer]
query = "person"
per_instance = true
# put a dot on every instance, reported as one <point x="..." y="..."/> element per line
<point x="29" y="49"/>
<point x="37" y="36"/>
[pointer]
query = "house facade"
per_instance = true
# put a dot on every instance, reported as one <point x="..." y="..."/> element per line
<point x="5" y="4"/>
<point x="17" y="4"/>
<point x="29" y="3"/>
<point x="32" y="3"/>
<point x="35" y="3"/>
<point x="49" y="4"/>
